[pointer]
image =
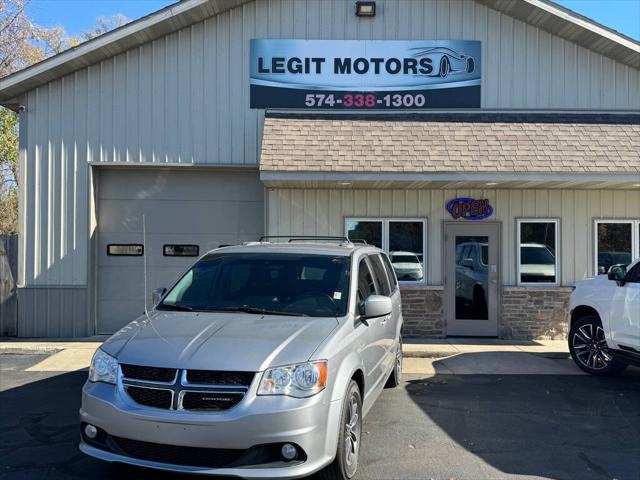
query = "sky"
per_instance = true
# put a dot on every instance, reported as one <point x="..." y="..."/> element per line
<point x="78" y="15"/>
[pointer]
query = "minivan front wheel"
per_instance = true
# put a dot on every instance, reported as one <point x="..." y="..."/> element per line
<point x="345" y="464"/>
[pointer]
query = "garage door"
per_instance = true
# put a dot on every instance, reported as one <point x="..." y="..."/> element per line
<point x="184" y="212"/>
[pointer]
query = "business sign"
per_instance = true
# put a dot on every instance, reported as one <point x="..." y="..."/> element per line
<point x="365" y="74"/>
<point x="469" y="208"/>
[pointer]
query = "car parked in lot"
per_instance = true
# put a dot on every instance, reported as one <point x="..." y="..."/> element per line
<point x="260" y="362"/>
<point x="604" y="330"/>
<point x="537" y="263"/>
<point x="407" y="266"/>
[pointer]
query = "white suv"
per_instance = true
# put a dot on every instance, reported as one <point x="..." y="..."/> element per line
<point x="604" y="334"/>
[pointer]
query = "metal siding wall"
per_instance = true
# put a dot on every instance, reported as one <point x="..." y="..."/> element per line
<point x="184" y="98"/>
<point x="53" y="312"/>
<point x="322" y="212"/>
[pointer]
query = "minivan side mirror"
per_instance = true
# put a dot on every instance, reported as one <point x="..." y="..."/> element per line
<point x="157" y="295"/>
<point x="377" y="306"/>
<point x="617" y="274"/>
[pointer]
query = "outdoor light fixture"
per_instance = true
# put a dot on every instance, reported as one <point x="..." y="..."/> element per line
<point x="365" y="9"/>
<point x="491" y="184"/>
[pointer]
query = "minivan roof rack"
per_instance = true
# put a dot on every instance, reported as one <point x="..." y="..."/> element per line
<point x="306" y="238"/>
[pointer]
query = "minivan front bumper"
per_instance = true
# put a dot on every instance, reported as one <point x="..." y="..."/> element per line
<point x="311" y="424"/>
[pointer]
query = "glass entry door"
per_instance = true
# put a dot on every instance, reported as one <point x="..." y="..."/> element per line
<point x="471" y="279"/>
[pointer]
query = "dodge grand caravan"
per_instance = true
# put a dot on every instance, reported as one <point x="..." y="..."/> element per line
<point x="260" y="362"/>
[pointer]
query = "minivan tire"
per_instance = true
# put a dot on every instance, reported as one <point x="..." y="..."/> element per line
<point x="582" y="332"/>
<point x="340" y="468"/>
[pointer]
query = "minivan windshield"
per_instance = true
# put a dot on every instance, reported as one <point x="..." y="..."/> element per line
<point x="275" y="284"/>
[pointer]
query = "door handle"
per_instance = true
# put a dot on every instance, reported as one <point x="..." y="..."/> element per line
<point x="384" y="320"/>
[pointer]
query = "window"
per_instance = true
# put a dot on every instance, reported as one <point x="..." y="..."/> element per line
<point x="366" y="285"/>
<point x="634" y="275"/>
<point x="403" y="240"/>
<point x="368" y="230"/>
<point x="616" y="242"/>
<point x="382" y="280"/>
<point x="390" y="273"/>
<point x="125" y="250"/>
<point x="537" y="252"/>
<point x="181" y="251"/>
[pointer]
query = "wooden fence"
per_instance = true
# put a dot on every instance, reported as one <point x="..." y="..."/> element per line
<point x="8" y="279"/>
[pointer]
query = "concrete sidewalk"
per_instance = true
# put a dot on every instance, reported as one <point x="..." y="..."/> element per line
<point x="75" y="354"/>
<point x="444" y="347"/>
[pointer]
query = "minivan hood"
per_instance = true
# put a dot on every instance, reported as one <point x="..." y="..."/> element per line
<point x="218" y="341"/>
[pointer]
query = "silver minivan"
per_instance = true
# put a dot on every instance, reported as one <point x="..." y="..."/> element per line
<point x="260" y="362"/>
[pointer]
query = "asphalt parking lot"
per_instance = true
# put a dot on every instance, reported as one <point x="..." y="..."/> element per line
<point x="441" y="426"/>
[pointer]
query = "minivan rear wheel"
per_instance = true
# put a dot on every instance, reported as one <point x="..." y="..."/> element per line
<point x="345" y="465"/>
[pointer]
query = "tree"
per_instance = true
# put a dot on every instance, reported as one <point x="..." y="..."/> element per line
<point x="104" y="25"/>
<point x="23" y="43"/>
<point x="18" y="38"/>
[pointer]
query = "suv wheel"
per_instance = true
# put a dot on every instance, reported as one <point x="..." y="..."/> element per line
<point x="589" y="349"/>
<point x="396" y="374"/>
<point x="345" y="464"/>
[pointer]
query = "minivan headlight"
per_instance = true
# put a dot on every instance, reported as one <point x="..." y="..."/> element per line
<point x="104" y="368"/>
<point x="299" y="380"/>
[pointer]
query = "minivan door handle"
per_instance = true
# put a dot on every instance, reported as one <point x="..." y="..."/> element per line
<point x="384" y="320"/>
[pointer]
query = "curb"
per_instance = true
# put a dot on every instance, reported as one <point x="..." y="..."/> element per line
<point x="436" y="354"/>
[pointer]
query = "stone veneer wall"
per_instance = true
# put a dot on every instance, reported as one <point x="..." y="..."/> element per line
<point x="535" y="313"/>
<point x="422" y="310"/>
<point x="527" y="313"/>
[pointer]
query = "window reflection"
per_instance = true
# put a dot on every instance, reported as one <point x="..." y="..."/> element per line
<point x="403" y="240"/>
<point x="406" y="240"/>
<point x="472" y="277"/>
<point x="537" y="252"/>
<point x="368" y="230"/>
<point x="614" y="245"/>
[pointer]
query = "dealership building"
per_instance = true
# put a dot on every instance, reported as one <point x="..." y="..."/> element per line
<point x="491" y="147"/>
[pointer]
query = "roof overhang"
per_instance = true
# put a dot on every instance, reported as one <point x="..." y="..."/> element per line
<point x="449" y="180"/>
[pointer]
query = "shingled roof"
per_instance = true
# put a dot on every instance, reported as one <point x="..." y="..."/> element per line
<point x="602" y="144"/>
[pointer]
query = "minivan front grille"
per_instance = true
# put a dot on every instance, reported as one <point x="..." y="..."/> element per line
<point x="215" y="377"/>
<point x="150" y="397"/>
<point x="150" y="374"/>
<point x="193" y="390"/>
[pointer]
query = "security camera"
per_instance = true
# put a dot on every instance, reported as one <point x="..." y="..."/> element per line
<point x="21" y="108"/>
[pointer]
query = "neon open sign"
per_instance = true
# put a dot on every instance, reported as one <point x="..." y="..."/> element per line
<point x="469" y="208"/>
